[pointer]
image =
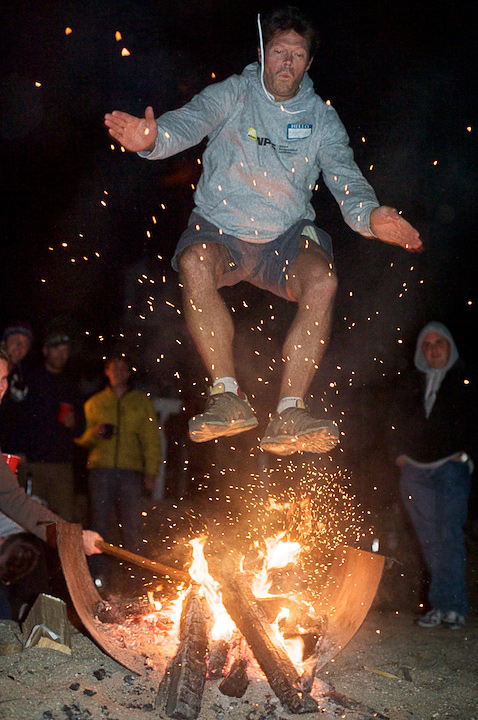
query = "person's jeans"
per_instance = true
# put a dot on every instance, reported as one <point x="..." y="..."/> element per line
<point x="121" y="491"/>
<point x="437" y="502"/>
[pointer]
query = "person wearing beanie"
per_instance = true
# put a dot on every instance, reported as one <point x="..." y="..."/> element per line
<point x="434" y="425"/>
<point x="53" y="418"/>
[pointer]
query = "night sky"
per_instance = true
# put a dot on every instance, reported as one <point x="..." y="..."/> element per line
<point x="402" y="80"/>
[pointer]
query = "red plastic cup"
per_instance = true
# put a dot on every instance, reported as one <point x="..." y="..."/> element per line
<point x="12" y="461"/>
<point x="65" y="409"/>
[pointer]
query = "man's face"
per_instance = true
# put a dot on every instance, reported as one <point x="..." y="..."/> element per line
<point x="3" y="378"/>
<point x="17" y="346"/>
<point x="56" y="357"/>
<point x="117" y="372"/>
<point x="286" y="61"/>
<point x="436" y="350"/>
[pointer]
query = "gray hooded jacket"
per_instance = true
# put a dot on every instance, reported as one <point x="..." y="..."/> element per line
<point x="263" y="158"/>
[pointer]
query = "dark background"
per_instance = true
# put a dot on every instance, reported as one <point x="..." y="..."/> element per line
<point x="402" y="79"/>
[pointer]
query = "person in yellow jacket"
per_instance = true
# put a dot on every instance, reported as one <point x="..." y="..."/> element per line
<point x="122" y="438"/>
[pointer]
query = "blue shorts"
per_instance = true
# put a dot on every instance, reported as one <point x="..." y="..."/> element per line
<point x="265" y="265"/>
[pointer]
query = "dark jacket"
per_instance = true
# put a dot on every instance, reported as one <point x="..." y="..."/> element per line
<point x="45" y="438"/>
<point x="453" y="423"/>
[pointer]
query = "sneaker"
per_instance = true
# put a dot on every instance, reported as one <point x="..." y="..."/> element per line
<point x="453" y="620"/>
<point x="225" y="414"/>
<point x="295" y="429"/>
<point x="431" y="619"/>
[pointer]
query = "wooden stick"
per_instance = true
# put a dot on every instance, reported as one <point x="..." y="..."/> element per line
<point x="143" y="562"/>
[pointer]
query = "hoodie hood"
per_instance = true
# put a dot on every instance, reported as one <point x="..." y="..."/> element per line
<point x="306" y="94"/>
<point x="419" y="359"/>
<point x="434" y="376"/>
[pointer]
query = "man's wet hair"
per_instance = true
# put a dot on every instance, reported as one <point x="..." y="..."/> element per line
<point x="4" y="355"/>
<point x="289" y="17"/>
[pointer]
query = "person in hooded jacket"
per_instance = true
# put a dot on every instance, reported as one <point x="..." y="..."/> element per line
<point x="434" y="433"/>
<point x="269" y="138"/>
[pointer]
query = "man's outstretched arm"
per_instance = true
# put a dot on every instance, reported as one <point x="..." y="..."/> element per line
<point x="133" y="133"/>
<point x="390" y="227"/>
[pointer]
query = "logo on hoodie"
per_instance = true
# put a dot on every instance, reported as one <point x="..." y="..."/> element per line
<point x="252" y="135"/>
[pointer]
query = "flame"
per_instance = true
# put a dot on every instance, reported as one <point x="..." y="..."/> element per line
<point x="279" y="554"/>
<point x="223" y="627"/>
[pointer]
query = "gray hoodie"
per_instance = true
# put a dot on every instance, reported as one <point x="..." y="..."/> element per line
<point x="263" y="158"/>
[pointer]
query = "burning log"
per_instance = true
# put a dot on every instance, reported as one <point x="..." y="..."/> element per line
<point x="217" y="659"/>
<point x="182" y="686"/>
<point x="252" y="622"/>
<point x="236" y="681"/>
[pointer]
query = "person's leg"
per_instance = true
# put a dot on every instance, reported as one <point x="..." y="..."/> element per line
<point x="420" y="500"/>
<point x="53" y="482"/>
<point x="129" y="494"/>
<point x="312" y="283"/>
<point x="39" y="480"/>
<point x="419" y="496"/>
<point x="210" y="326"/>
<point x="102" y="491"/>
<point x="61" y="488"/>
<point x="207" y="317"/>
<point x="453" y="484"/>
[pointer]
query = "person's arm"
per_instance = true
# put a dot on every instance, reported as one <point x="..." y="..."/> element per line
<point x="354" y="195"/>
<point x="15" y="503"/>
<point x="176" y="130"/>
<point x="32" y="515"/>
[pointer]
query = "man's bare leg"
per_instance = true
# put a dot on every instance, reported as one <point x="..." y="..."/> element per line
<point x="210" y="326"/>
<point x="312" y="283"/>
<point x="207" y="317"/>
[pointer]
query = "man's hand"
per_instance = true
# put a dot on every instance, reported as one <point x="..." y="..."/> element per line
<point x="390" y="227"/>
<point x="133" y="133"/>
<point x="89" y="539"/>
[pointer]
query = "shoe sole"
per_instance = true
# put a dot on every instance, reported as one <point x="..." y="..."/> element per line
<point x="319" y="442"/>
<point x="208" y="431"/>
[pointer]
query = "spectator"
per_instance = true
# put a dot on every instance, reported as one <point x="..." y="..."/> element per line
<point x="16" y="340"/>
<point x="434" y="435"/>
<point x="122" y="438"/>
<point x="31" y="515"/>
<point x="54" y="417"/>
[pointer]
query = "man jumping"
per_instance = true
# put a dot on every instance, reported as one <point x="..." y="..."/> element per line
<point x="269" y="137"/>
